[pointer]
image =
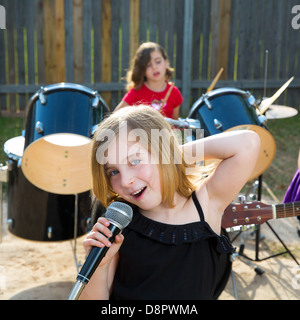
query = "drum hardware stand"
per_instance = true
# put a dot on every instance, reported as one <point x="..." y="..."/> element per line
<point x="239" y="255"/>
<point x="3" y="178"/>
<point x="258" y="185"/>
<point x="74" y="246"/>
<point x="266" y="73"/>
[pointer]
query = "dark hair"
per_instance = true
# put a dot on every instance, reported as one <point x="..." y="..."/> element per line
<point x="136" y="75"/>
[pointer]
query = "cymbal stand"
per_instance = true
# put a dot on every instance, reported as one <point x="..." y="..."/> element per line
<point x="3" y="178"/>
<point x="1" y="202"/>
<point x="258" y="185"/>
<point x="239" y="255"/>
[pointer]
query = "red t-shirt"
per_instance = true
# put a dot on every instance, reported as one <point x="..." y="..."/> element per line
<point x="154" y="99"/>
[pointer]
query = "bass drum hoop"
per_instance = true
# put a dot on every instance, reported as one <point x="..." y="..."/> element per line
<point x="215" y="93"/>
<point x="62" y="86"/>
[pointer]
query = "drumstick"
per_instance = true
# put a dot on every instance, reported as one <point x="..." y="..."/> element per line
<point x="215" y="81"/>
<point x="265" y="104"/>
<point x="166" y="97"/>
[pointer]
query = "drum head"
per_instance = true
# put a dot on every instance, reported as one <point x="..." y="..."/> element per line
<point x="14" y="147"/>
<point x="59" y="163"/>
<point x="267" y="148"/>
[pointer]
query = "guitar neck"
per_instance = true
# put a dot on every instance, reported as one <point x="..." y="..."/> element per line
<point x="286" y="210"/>
<point x="257" y="213"/>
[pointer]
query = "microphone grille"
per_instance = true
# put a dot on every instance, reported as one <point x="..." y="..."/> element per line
<point x="120" y="213"/>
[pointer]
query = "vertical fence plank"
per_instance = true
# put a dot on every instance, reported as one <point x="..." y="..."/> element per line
<point x="143" y="20"/>
<point x="196" y="41"/>
<point x="284" y="41"/>
<point x="60" y="41"/>
<point x="187" y="55"/>
<point x="49" y="41"/>
<point x="257" y="43"/>
<point x="152" y="20"/>
<point x="178" y="40"/>
<point x="29" y="16"/>
<point x="39" y="27"/>
<point x="69" y="52"/>
<point x="87" y="41"/>
<point x="78" y="40"/>
<point x="125" y="54"/>
<point x="170" y="32"/>
<point x="162" y="21"/>
<point x="206" y="40"/>
<point x="134" y="26"/>
<point x="20" y="52"/>
<point x="2" y="70"/>
<point x="223" y="37"/>
<point x="96" y="15"/>
<point x="11" y="54"/>
<point x="106" y="47"/>
<point x="115" y="50"/>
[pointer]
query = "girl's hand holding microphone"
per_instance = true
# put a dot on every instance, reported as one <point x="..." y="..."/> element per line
<point x="99" y="237"/>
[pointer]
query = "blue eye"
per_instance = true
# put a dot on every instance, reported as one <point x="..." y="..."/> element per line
<point x="135" y="162"/>
<point x="113" y="173"/>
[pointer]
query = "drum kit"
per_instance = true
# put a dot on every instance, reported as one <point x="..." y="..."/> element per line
<point x="48" y="168"/>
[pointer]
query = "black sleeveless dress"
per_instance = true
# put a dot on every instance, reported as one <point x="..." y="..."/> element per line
<point x="160" y="261"/>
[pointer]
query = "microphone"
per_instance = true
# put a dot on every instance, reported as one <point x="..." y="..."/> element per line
<point x="119" y="215"/>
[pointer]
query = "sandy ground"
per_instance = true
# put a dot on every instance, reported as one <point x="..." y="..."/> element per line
<point x="32" y="270"/>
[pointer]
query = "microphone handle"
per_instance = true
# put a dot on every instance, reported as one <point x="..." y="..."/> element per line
<point x="91" y="264"/>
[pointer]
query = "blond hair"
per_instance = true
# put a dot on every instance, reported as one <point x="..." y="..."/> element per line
<point x="173" y="175"/>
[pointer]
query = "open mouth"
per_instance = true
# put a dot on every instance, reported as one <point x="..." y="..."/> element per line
<point x="137" y="194"/>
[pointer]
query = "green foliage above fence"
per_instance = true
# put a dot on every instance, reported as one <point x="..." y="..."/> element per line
<point x="91" y="42"/>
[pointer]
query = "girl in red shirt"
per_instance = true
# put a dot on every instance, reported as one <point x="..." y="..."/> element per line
<point x="148" y="82"/>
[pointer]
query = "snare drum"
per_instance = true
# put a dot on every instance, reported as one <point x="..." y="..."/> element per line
<point x="228" y="109"/>
<point x="59" y="124"/>
<point x="35" y="214"/>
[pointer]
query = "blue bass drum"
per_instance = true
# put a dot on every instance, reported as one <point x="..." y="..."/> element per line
<point x="48" y="165"/>
<point x="63" y="108"/>
<point x="228" y="109"/>
<point x="59" y="124"/>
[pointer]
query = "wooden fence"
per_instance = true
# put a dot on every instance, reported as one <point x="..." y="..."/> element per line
<point x="91" y="42"/>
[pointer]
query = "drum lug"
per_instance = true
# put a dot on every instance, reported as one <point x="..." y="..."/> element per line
<point x="218" y="124"/>
<point x="208" y="104"/>
<point x="49" y="232"/>
<point x="262" y="119"/>
<point x="94" y="129"/>
<point x="10" y="165"/>
<point x="10" y="223"/>
<point x="251" y="99"/>
<point x="95" y="102"/>
<point x="42" y="97"/>
<point x="39" y="127"/>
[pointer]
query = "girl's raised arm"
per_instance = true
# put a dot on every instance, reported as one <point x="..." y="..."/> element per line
<point x="238" y="152"/>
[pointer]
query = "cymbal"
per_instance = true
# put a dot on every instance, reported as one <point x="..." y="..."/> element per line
<point x="280" y="112"/>
<point x="59" y="163"/>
